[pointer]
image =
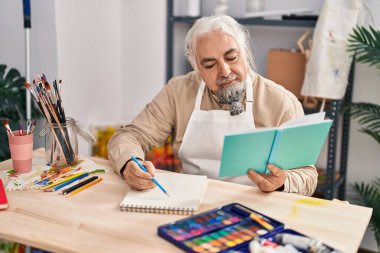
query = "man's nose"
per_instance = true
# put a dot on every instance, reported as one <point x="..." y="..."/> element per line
<point x="225" y="69"/>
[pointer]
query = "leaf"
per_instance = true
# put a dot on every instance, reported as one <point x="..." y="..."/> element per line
<point x="4" y="147"/>
<point x="13" y="104"/>
<point x="369" y="195"/>
<point x="367" y="114"/>
<point x="374" y="135"/>
<point x="2" y="71"/>
<point x="364" y="45"/>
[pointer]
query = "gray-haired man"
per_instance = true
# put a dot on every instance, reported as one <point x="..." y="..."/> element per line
<point x="222" y="96"/>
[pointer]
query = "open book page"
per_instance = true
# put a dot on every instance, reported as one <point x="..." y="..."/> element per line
<point x="185" y="192"/>
<point x="300" y="145"/>
<point x="293" y="145"/>
<point x="242" y="152"/>
<point x="310" y="118"/>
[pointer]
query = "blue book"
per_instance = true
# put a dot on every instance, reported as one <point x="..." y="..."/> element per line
<point x="296" y="143"/>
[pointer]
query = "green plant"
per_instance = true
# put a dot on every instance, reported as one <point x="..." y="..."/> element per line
<point x="12" y="104"/>
<point x="364" y="46"/>
<point x="369" y="195"/>
<point x="367" y="115"/>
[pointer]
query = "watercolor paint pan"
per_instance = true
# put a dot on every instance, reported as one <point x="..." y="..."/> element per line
<point x="230" y="227"/>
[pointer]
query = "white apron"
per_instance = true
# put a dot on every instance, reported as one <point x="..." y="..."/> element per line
<point x="202" y="143"/>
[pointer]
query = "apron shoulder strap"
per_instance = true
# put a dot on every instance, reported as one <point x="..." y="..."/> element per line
<point x="249" y="94"/>
<point x="198" y="99"/>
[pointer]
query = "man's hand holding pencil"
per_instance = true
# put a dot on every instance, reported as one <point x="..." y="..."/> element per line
<point x="138" y="179"/>
<point x="140" y="175"/>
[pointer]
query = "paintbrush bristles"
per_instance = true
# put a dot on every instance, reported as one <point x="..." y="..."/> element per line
<point x="31" y="90"/>
<point x="29" y="129"/>
<point x="7" y="127"/>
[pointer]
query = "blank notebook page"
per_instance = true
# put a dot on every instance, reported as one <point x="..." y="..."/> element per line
<point x="185" y="193"/>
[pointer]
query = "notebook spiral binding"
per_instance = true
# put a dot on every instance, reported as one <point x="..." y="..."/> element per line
<point x="157" y="209"/>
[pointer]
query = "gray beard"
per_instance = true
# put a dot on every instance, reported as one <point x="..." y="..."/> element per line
<point x="231" y="95"/>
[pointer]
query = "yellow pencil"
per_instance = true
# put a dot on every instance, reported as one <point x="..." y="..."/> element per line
<point x="261" y="221"/>
<point x="84" y="187"/>
<point x="64" y="180"/>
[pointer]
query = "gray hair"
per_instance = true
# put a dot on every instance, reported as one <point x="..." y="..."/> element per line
<point x="223" y="23"/>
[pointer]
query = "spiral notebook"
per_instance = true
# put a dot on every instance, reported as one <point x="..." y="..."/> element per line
<point x="186" y="193"/>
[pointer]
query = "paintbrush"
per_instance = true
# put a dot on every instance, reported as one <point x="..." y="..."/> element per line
<point x="52" y="107"/>
<point x="33" y="125"/>
<point x="6" y="125"/>
<point x="28" y="126"/>
<point x="58" y="89"/>
<point x="38" y="96"/>
<point x="32" y="91"/>
<point x="20" y="129"/>
<point x="58" y="133"/>
<point x="59" y="101"/>
<point x="59" y="110"/>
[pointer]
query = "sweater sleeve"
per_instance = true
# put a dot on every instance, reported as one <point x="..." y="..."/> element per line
<point x="149" y="129"/>
<point x="301" y="180"/>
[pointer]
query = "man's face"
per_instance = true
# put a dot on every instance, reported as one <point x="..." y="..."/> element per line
<point x="220" y="61"/>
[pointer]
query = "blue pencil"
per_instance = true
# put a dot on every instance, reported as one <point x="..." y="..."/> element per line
<point x="153" y="179"/>
<point x="69" y="182"/>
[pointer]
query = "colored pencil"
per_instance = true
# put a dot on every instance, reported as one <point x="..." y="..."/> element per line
<point x="84" y="187"/>
<point x="78" y="185"/>
<point x="64" y="180"/>
<point x="67" y="182"/>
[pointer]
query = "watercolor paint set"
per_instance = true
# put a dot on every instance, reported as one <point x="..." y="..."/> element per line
<point x="230" y="228"/>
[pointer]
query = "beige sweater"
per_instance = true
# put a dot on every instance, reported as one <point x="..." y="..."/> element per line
<point x="171" y="109"/>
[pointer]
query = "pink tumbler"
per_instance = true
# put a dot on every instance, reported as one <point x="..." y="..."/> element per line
<point x="21" y="147"/>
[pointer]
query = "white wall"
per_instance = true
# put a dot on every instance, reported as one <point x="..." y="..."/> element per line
<point x="89" y="60"/>
<point x="42" y="34"/>
<point x="111" y="60"/>
<point x="143" y="53"/>
<point x="12" y="42"/>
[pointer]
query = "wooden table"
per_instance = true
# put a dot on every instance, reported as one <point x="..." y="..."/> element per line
<point x="91" y="221"/>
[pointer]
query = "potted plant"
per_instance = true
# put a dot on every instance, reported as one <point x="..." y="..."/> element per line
<point x="13" y="104"/>
<point x="364" y="45"/>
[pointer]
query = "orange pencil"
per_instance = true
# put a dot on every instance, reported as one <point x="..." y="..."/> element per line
<point x="84" y="187"/>
<point x="261" y="221"/>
